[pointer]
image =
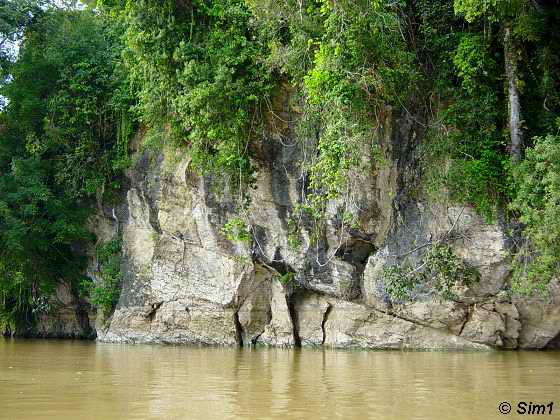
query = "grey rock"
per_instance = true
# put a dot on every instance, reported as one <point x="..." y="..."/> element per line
<point x="184" y="282"/>
<point x="279" y="332"/>
<point x="485" y="326"/>
<point x="540" y="318"/>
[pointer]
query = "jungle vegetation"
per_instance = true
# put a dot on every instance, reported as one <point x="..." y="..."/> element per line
<point x="77" y="81"/>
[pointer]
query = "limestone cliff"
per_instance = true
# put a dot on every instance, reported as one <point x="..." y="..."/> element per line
<point x="184" y="282"/>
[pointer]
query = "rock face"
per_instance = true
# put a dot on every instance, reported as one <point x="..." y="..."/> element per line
<point x="71" y="317"/>
<point x="184" y="282"/>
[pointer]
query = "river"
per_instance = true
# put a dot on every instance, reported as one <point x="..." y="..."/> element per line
<point x="85" y="380"/>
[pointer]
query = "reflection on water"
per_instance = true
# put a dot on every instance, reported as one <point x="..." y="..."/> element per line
<point x="58" y="379"/>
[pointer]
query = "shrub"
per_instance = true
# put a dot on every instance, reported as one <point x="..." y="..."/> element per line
<point x="537" y="202"/>
<point x="104" y="293"/>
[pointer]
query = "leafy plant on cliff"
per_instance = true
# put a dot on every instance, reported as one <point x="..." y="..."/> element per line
<point x="398" y="283"/>
<point x="443" y="270"/>
<point x="362" y="66"/>
<point x="438" y="271"/>
<point x="286" y="279"/>
<point x="236" y="230"/>
<point x="104" y="293"/>
<point x="196" y="70"/>
<point x="537" y="202"/>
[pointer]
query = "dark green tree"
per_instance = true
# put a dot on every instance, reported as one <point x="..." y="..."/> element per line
<point x="63" y="138"/>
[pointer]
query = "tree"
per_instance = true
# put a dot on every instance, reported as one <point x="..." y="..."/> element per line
<point x="63" y="137"/>
<point x="505" y="13"/>
<point x="15" y="17"/>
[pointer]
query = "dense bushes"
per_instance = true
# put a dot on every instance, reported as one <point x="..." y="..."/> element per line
<point x="537" y="202"/>
<point x="63" y="139"/>
<point x="198" y="75"/>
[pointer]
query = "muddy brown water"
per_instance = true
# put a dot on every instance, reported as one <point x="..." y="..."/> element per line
<point x="85" y="380"/>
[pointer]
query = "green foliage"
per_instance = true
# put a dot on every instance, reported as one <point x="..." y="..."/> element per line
<point x="71" y="113"/>
<point x="473" y="64"/>
<point x="438" y="271"/>
<point x="465" y="151"/>
<point x="63" y="138"/>
<point x="286" y="278"/>
<point x="493" y="10"/>
<point x="236" y="230"/>
<point x="443" y="270"/>
<point x="196" y="71"/>
<point x="291" y="30"/>
<point x="294" y="240"/>
<point x="357" y="73"/>
<point x="537" y="201"/>
<point x="104" y="293"/>
<point x="37" y="231"/>
<point x="399" y="284"/>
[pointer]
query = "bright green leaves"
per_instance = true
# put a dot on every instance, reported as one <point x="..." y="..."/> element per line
<point x="474" y="9"/>
<point x="105" y="292"/>
<point x="363" y="57"/>
<point x="537" y="202"/>
<point x="439" y="271"/>
<point x="204" y="72"/>
<point x="474" y="65"/>
<point x="362" y="66"/>
<point x="236" y="230"/>
<point x="492" y="10"/>
<point x="290" y="30"/>
<point x="197" y="71"/>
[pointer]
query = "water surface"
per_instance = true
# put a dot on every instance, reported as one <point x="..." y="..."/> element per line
<point x="84" y="380"/>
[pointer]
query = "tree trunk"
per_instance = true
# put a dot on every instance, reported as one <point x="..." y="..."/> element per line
<point x="514" y="105"/>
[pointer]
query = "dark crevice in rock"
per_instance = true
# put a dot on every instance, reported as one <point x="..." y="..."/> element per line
<point x="82" y="314"/>
<point x="259" y="240"/>
<point x="255" y="339"/>
<point x="357" y="251"/>
<point x="145" y="177"/>
<point x="324" y="321"/>
<point x="279" y="181"/>
<point x="153" y="216"/>
<point x="316" y="257"/>
<point x="553" y="344"/>
<point x="294" y="319"/>
<point x="277" y="265"/>
<point x="238" y="329"/>
<point x="154" y="308"/>
<point x="83" y="319"/>
<point x="217" y="195"/>
<point x="467" y="319"/>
